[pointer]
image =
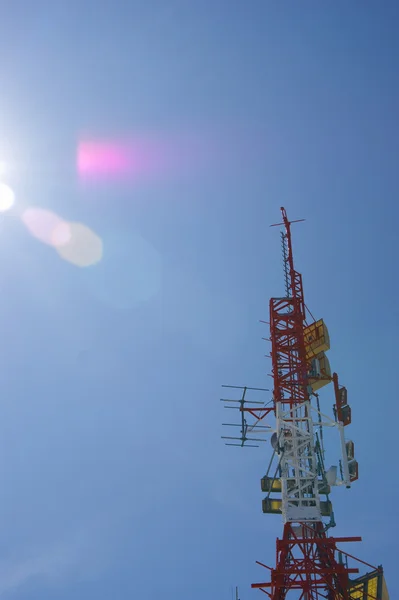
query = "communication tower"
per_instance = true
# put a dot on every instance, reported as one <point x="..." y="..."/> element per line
<point x="310" y="563"/>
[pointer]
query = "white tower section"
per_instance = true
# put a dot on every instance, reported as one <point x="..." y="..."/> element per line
<point x="298" y="464"/>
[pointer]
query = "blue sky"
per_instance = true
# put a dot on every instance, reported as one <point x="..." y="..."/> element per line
<point x="114" y="480"/>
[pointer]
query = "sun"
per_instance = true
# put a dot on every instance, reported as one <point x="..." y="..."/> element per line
<point x="7" y="197"/>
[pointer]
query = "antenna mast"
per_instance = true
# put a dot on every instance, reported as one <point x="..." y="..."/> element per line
<point x="308" y="560"/>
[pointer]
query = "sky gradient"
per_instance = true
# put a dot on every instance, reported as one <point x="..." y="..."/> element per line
<point x="114" y="481"/>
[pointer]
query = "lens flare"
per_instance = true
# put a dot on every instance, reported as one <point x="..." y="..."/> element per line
<point x="103" y="159"/>
<point x="47" y="227"/>
<point x="84" y="248"/>
<point x="7" y="197"/>
<point x="122" y="161"/>
<point x="74" y="242"/>
<point x="148" y="157"/>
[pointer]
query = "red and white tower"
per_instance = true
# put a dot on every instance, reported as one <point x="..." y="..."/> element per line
<point x="310" y="564"/>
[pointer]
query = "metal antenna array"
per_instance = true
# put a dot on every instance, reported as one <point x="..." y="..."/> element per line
<point x="254" y="408"/>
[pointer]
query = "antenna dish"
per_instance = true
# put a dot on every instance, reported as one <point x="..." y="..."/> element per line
<point x="331" y="475"/>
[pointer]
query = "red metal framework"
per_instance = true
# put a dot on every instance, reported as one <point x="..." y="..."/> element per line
<point x="306" y="561"/>
<point x="289" y="367"/>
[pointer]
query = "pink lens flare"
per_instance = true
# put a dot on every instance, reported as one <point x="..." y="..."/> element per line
<point x="150" y="156"/>
<point x="103" y="159"/>
<point x="120" y="160"/>
<point x="139" y="158"/>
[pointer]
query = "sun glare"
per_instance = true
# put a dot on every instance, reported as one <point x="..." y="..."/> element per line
<point x="6" y="197"/>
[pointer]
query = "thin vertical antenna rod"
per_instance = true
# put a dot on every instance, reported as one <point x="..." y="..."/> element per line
<point x="294" y="278"/>
<point x="285" y="263"/>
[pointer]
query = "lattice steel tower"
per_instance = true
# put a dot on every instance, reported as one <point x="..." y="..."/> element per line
<point x="309" y="563"/>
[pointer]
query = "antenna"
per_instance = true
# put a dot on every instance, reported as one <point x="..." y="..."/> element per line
<point x="256" y="410"/>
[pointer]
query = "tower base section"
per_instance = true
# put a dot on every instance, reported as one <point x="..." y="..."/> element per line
<point x="311" y="563"/>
